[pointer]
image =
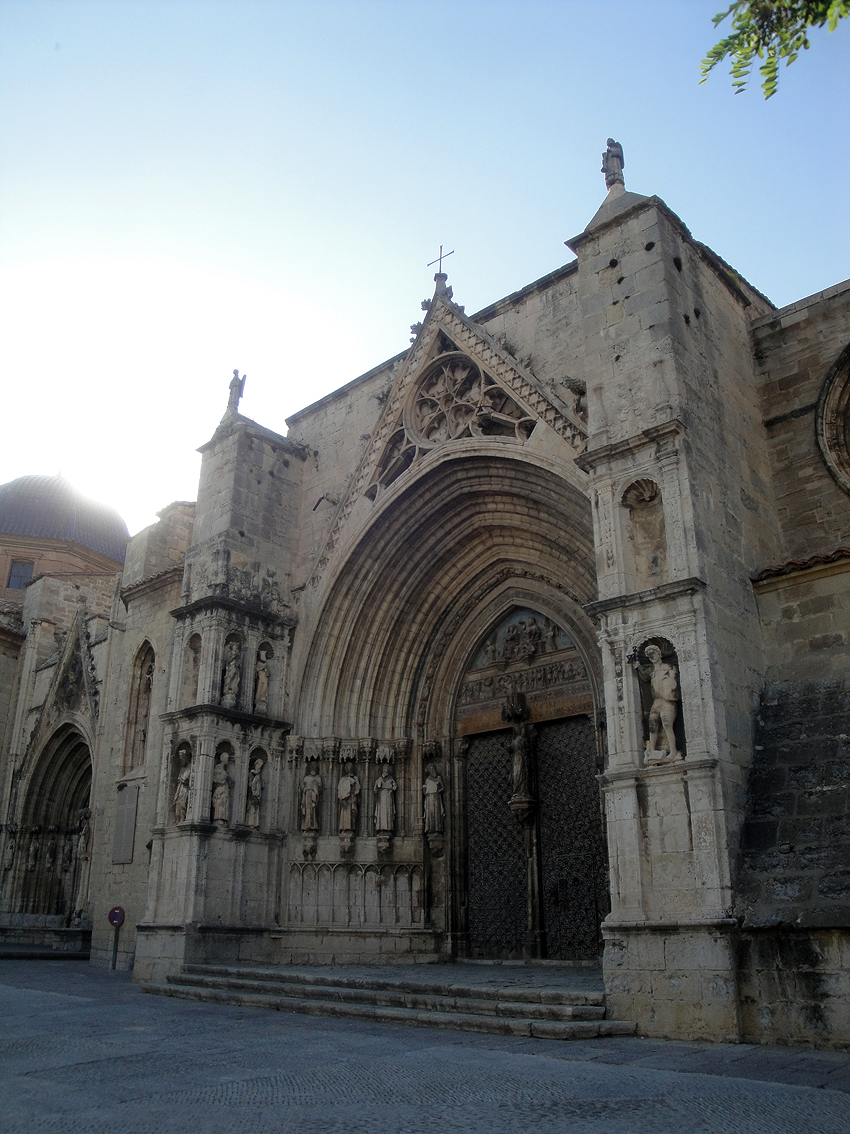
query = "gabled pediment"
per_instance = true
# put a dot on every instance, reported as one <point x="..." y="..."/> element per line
<point x="456" y="383"/>
<point x="73" y="690"/>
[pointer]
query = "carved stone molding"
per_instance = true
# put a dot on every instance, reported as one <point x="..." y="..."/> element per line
<point x="833" y="420"/>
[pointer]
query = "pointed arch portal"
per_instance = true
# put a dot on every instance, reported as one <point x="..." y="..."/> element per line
<point x="468" y="582"/>
<point x="53" y="842"/>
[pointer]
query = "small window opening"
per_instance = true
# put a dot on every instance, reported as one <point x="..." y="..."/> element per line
<point x="20" y="574"/>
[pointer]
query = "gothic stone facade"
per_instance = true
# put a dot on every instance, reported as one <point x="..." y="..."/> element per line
<point x="530" y="642"/>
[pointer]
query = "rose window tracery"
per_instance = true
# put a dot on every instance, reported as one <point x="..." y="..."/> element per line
<point x="453" y="399"/>
<point x="457" y="399"/>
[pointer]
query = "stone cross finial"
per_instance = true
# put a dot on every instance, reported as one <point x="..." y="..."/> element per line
<point x="613" y="164"/>
<point x="439" y="260"/>
<point x="237" y="388"/>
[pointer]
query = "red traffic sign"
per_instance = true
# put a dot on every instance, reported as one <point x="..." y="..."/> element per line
<point x="115" y="916"/>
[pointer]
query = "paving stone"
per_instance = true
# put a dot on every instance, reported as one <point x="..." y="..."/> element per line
<point x="86" y="1050"/>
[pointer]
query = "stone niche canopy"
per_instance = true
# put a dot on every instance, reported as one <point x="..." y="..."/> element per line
<point x="528" y="653"/>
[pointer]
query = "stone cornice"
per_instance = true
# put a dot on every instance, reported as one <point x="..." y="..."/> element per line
<point x="725" y="272"/>
<point x="656" y="771"/>
<point x="235" y="423"/>
<point x="236" y="715"/>
<point x="639" y="598"/>
<point x="151" y="583"/>
<point x="802" y="570"/>
<point x="220" y="602"/>
<point x="593" y="457"/>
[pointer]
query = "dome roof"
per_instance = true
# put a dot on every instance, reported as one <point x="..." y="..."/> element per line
<point x="49" y="507"/>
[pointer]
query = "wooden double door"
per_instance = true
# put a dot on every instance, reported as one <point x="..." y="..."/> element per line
<point x="539" y="888"/>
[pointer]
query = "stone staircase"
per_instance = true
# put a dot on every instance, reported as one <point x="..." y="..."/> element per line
<point x="542" y="1005"/>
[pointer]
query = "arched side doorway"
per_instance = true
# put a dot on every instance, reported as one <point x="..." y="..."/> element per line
<point x="535" y="878"/>
<point x="53" y="837"/>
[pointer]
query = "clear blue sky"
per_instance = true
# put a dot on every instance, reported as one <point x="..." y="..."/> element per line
<point x="190" y="186"/>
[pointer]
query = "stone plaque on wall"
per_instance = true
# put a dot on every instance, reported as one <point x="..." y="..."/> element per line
<point x="531" y="655"/>
<point x="125" y="823"/>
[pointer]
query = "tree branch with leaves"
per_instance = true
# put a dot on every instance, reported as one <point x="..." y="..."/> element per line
<point x="770" y="30"/>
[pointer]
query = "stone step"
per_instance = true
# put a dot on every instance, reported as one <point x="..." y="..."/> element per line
<point x="462" y="1021"/>
<point x="335" y="979"/>
<point x="399" y="996"/>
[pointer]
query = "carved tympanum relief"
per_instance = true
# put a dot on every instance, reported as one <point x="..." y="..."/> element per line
<point x="454" y="398"/>
<point x="657" y="668"/>
<point x="645" y="534"/>
<point x="525" y="653"/>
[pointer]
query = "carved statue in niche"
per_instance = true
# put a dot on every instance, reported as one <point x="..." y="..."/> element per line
<point x="83" y="816"/>
<point x="261" y="684"/>
<point x="311" y="790"/>
<point x="52" y="847"/>
<point x="33" y="848"/>
<point x="348" y="800"/>
<point x="11" y="846"/>
<point x="385" y="789"/>
<point x="181" y="789"/>
<point x="434" y="809"/>
<point x="221" y="790"/>
<point x="662" y="677"/>
<point x="192" y="671"/>
<point x="255" y="793"/>
<point x="613" y="164"/>
<point x="646" y="533"/>
<point x="67" y="853"/>
<point x="230" y="675"/>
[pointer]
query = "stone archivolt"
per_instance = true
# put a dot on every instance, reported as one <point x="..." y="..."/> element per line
<point x="833" y="420"/>
<point x="402" y="435"/>
<point x="468" y="526"/>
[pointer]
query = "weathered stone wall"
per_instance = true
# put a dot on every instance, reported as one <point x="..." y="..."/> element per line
<point x="11" y="642"/>
<point x="141" y="618"/>
<point x="793" y="880"/>
<point x="161" y="545"/>
<point x="793" y="877"/>
<point x="245" y="529"/>
<point x="336" y="431"/>
<point x="146" y="619"/>
<point x="673" y="411"/>
<point x="794" y="350"/>
<point x="540" y="326"/>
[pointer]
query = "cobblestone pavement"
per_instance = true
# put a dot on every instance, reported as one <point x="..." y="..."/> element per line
<point x="85" y="1051"/>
